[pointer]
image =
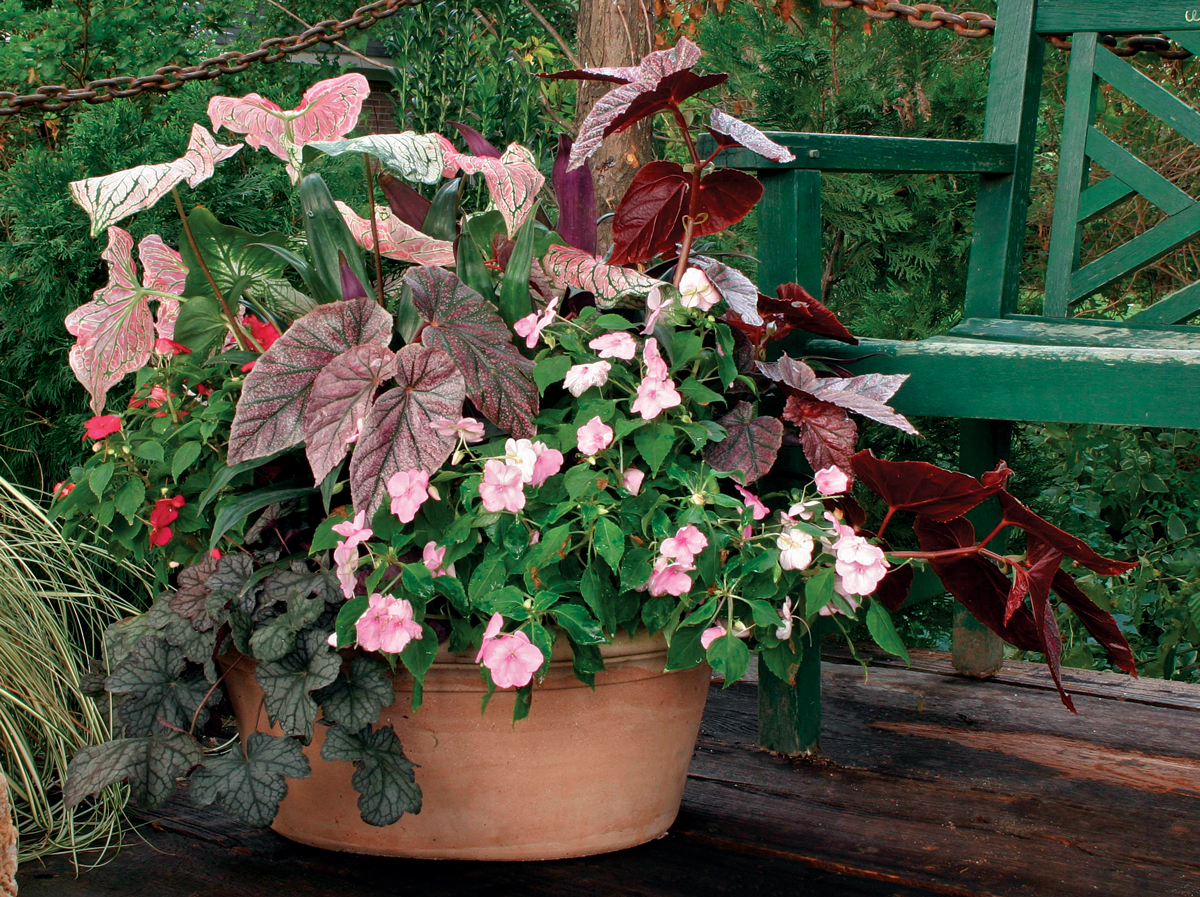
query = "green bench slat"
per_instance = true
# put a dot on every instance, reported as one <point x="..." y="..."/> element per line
<point x="1115" y="16"/>
<point x="857" y="152"/>
<point x="976" y="378"/>
<point x="1034" y="330"/>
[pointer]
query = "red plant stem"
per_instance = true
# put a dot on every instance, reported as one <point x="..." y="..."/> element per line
<point x="886" y="518"/>
<point x="238" y="334"/>
<point x="374" y="230"/>
<point x="698" y="166"/>
<point x="999" y="526"/>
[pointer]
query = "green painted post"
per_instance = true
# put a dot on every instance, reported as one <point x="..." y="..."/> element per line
<point x="976" y="650"/>
<point x="789" y="716"/>
<point x="789" y="230"/>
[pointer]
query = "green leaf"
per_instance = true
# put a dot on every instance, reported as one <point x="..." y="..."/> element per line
<point x="347" y="616"/>
<point x="730" y="656"/>
<point x="1176" y="529"/>
<point x="250" y="783"/>
<point x="784" y="659"/>
<point x="609" y="540"/>
<point x="225" y="475"/>
<point x="657" y="611"/>
<point x="417" y="658"/>
<point x="514" y="302"/>
<point x="239" y="507"/>
<point x="359" y="694"/>
<point x="818" y="591"/>
<point x="764" y="613"/>
<point x="577" y="623"/>
<point x="130" y="498"/>
<point x="149" y="765"/>
<point x="489" y="576"/>
<point x="551" y="369"/>
<point x="441" y="221"/>
<point x="99" y="478"/>
<point x="879" y="624"/>
<point x="451" y="588"/>
<point x="200" y="324"/>
<point x="685" y="650"/>
<point x="383" y="776"/>
<point x="329" y="241"/>
<point x="185" y="456"/>
<point x="599" y="594"/>
<point x="288" y="683"/>
<point x="149" y="450"/>
<point x="523" y="702"/>
<point x="613" y="322"/>
<point x="654" y="443"/>
<point x="156" y="687"/>
<point x="698" y="392"/>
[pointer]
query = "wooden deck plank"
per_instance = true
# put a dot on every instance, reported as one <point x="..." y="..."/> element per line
<point x="930" y="785"/>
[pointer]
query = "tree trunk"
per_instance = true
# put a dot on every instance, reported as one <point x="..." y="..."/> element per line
<point x="611" y="33"/>
<point x="8" y="844"/>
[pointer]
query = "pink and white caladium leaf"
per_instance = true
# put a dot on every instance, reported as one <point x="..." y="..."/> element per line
<point x="328" y="110"/>
<point x="729" y="131"/>
<point x="413" y="156"/>
<point x="567" y="266"/>
<point x="513" y="181"/>
<point x="115" y="332"/>
<point x="398" y="434"/>
<point x="866" y="394"/>
<point x="275" y="396"/>
<point x="466" y="327"/>
<point x="751" y="444"/>
<point x="738" y="291"/>
<point x="633" y="82"/>
<point x="341" y="399"/>
<point x="397" y="240"/>
<point x="112" y="197"/>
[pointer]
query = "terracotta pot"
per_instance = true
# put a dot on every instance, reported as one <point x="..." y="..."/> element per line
<point x="586" y="772"/>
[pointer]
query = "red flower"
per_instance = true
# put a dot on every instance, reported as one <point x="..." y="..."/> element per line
<point x="170" y="347"/>
<point x="215" y="554"/>
<point x="104" y="425"/>
<point x="264" y="332"/>
<point x="166" y="512"/>
<point x="63" y="489"/>
<point x="160" y="536"/>
<point x="157" y="398"/>
<point x="203" y="391"/>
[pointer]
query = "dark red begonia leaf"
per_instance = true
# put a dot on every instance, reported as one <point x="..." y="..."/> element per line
<point x="672" y="90"/>
<point x="827" y="434"/>
<point x="1099" y="623"/>
<point x="1017" y="514"/>
<point x="1044" y="561"/>
<point x="796" y="307"/>
<point x="927" y="489"/>
<point x="751" y="445"/>
<point x="476" y="142"/>
<point x="649" y="218"/>
<point x="406" y="203"/>
<point x="976" y="582"/>
<point x="893" y="589"/>
<point x="726" y="197"/>
<point x="576" y="195"/>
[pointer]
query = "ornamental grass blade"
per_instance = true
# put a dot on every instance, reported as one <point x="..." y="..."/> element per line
<point x="270" y="413"/>
<point x="567" y="266"/>
<point x="398" y="434"/>
<point x="466" y="327"/>
<point x="340" y="401"/>
<point x="751" y="444"/>
<point x="925" y="488"/>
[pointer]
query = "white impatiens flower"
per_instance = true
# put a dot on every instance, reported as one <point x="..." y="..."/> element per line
<point x="521" y="454"/>
<point x="795" y="549"/>
<point x="697" y="291"/>
<point x="783" y="631"/>
<point x="582" y="377"/>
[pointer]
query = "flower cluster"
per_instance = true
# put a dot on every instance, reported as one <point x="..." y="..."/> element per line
<point x="524" y="463"/>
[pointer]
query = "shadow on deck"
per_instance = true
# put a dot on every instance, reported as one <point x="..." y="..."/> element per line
<point x="930" y="784"/>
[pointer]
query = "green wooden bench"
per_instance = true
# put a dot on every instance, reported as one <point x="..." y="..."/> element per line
<point x="998" y="366"/>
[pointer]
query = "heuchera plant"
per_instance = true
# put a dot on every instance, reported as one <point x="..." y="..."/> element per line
<point x="500" y="442"/>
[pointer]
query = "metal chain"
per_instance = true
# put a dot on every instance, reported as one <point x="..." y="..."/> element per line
<point x="930" y="16"/>
<point x="54" y="97"/>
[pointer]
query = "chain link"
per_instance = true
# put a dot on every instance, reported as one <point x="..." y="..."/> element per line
<point x="55" y="97"/>
<point x="930" y="16"/>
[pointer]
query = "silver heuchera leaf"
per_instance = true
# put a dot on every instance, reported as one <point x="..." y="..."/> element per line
<point x="288" y="683"/>
<point x="271" y="411"/>
<point x="250" y="783"/>
<point x="158" y="690"/>
<point x="738" y="291"/>
<point x="340" y="401"/>
<point x="397" y="435"/>
<point x="749" y="136"/>
<point x="150" y="765"/>
<point x="383" y="776"/>
<point x="467" y="327"/>
<point x="413" y="156"/>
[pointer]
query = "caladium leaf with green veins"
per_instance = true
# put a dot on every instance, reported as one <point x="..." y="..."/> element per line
<point x="249" y="783"/>
<point x="413" y="156"/>
<point x="156" y="687"/>
<point x="328" y="110"/>
<point x="112" y="197"/>
<point x="738" y="132"/>
<point x="567" y="266"/>
<point x="466" y="327"/>
<point x="359" y="694"/>
<point x="271" y="410"/>
<point x="163" y="272"/>
<point x="289" y="682"/>
<point x="397" y="240"/>
<point x="340" y="402"/>
<point x="513" y="181"/>
<point x="114" y="333"/>
<point x="751" y="446"/>
<point x="150" y="765"/>
<point x="383" y="776"/>
<point x="398" y="434"/>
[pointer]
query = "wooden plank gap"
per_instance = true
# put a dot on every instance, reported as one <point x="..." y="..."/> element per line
<point x="1137" y="174"/>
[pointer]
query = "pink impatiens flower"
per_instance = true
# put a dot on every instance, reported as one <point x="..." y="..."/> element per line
<point x="669" y="579"/>
<point x="615" y="345"/>
<point x="594" y="436"/>
<point x="582" y="377"/>
<point x="468" y="429"/>
<point x="860" y="565"/>
<point x="387" y="625"/>
<point x="655" y="397"/>
<point x="684" y="545"/>
<point x="409" y="490"/>
<point x="656" y="365"/>
<point x="832" y="607"/>
<point x="632" y="480"/>
<point x="345" y="553"/>
<point x="104" y="425"/>
<point x="795" y="549"/>
<point x="432" y="556"/>
<point x="655" y="306"/>
<point x="750" y="500"/>
<point x="831" y="481"/>
<point x="532" y="325"/>
<point x="492" y="631"/>
<point x="521" y="454"/>
<point x="512" y="660"/>
<point x="710" y="635"/>
<point x="503" y="488"/>
<point x="548" y="462"/>
<point x="697" y="291"/>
